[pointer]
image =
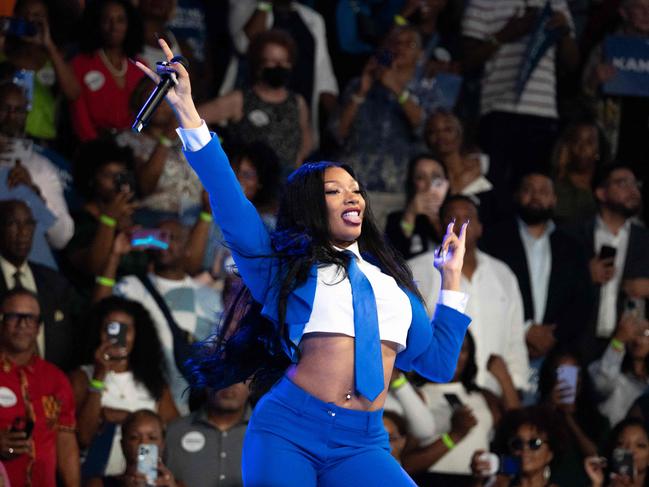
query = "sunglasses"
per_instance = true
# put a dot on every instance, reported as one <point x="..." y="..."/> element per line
<point x="518" y="444"/>
<point x="14" y="319"/>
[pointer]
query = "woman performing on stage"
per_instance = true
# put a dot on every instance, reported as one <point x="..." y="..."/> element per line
<point x="337" y="301"/>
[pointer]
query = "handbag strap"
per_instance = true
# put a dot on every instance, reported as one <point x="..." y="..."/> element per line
<point x="162" y="304"/>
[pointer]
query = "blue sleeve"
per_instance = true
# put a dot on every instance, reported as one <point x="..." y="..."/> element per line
<point x="438" y="361"/>
<point x="242" y="227"/>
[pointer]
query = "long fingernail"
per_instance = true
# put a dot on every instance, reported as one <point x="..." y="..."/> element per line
<point x="468" y="221"/>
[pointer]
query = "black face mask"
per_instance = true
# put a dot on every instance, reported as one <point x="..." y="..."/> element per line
<point x="534" y="215"/>
<point x="276" y="77"/>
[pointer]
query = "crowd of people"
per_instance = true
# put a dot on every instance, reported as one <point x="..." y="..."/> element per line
<point x="112" y="265"/>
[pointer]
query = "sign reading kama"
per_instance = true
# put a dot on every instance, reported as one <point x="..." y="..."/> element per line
<point x="630" y="58"/>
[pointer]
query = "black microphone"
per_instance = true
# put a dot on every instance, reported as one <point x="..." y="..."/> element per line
<point x="167" y="81"/>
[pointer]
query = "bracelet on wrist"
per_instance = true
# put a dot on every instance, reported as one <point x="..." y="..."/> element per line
<point x="265" y="6"/>
<point x="407" y="227"/>
<point x="109" y="221"/>
<point x="205" y="216"/>
<point x="398" y="382"/>
<point x="358" y="99"/>
<point x="617" y="345"/>
<point x="448" y="441"/>
<point x="400" y="20"/>
<point x="96" y="385"/>
<point x="165" y="141"/>
<point x="403" y="97"/>
<point x="105" y="281"/>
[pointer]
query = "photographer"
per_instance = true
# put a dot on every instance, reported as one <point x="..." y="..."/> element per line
<point x="124" y="372"/>
<point x="29" y="46"/>
<point x="104" y="176"/>
<point x="622" y="373"/>
<point x="627" y="451"/>
<point x="381" y="117"/>
<point x="141" y="428"/>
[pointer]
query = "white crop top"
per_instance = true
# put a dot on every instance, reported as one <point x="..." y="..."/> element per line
<point x="333" y="311"/>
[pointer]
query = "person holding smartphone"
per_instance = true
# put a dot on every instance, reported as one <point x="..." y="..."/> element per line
<point x="417" y="228"/>
<point x="126" y="374"/>
<point x="621" y="374"/>
<point x="142" y="444"/>
<point x="465" y="414"/>
<point x="566" y="387"/>
<point x="626" y="457"/>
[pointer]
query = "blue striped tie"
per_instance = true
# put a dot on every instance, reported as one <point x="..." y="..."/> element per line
<point x="368" y="361"/>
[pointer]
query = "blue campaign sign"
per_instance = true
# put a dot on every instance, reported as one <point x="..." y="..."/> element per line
<point x="630" y="58"/>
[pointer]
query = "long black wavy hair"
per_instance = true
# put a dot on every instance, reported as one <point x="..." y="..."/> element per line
<point x="247" y="344"/>
<point x="146" y="360"/>
<point x="613" y="439"/>
<point x="587" y="414"/>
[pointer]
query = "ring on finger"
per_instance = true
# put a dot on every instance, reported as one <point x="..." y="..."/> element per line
<point x="11" y="451"/>
<point x="106" y="356"/>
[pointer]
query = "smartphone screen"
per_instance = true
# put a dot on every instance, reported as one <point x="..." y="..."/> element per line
<point x="150" y="238"/>
<point x="116" y="333"/>
<point x="510" y="465"/>
<point x="567" y="375"/>
<point x="623" y="462"/>
<point x="147" y="462"/>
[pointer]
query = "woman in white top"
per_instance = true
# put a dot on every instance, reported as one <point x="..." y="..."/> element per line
<point x="127" y="375"/>
<point x="621" y="374"/>
<point x="464" y="416"/>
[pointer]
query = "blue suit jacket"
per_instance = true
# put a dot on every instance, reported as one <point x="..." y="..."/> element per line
<point x="431" y="349"/>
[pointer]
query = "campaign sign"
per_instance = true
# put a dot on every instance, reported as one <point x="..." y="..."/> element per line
<point x="630" y="58"/>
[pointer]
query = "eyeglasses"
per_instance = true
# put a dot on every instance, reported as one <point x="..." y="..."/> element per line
<point x="13" y="319"/>
<point x="627" y="183"/>
<point x="518" y="444"/>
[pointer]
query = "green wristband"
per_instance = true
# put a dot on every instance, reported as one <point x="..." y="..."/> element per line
<point x="398" y="382"/>
<point x="265" y="6"/>
<point x="165" y="141"/>
<point x="617" y="345"/>
<point x="400" y="20"/>
<point x="403" y="97"/>
<point x="108" y="221"/>
<point x="448" y="441"/>
<point x="97" y="385"/>
<point x="105" y="281"/>
<point x="205" y="216"/>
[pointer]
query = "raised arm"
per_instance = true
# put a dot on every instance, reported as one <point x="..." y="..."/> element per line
<point x="240" y="223"/>
<point x="437" y="361"/>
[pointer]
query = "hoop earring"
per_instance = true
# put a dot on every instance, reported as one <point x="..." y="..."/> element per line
<point x="547" y="473"/>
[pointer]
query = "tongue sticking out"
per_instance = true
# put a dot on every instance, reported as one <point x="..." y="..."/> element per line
<point x="352" y="217"/>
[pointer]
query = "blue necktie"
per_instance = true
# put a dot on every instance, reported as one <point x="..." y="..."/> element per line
<point x="368" y="361"/>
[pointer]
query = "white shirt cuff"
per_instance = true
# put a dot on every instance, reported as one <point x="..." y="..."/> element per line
<point x="454" y="299"/>
<point x="194" y="139"/>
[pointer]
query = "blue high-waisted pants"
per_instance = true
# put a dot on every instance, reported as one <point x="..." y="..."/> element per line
<point x="295" y="439"/>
